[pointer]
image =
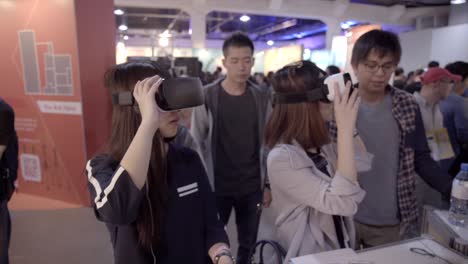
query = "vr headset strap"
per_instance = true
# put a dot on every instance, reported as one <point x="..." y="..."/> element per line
<point x="123" y="99"/>
<point x="299" y="97"/>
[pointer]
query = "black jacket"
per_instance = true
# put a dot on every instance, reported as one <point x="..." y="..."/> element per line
<point x="191" y="223"/>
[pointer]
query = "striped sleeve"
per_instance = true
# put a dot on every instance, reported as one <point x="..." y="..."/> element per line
<point x="115" y="197"/>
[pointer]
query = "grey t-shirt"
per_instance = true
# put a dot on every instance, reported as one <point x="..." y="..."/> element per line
<point x="237" y="168"/>
<point x="381" y="135"/>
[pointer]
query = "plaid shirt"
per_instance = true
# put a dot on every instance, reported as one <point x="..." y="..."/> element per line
<point x="404" y="109"/>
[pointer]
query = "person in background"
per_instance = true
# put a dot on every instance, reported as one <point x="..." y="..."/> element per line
<point x="8" y="173"/>
<point x="388" y="115"/>
<point x="153" y="195"/>
<point x="332" y="69"/>
<point x="455" y="112"/>
<point x="399" y="79"/>
<point x="229" y="128"/>
<point x="217" y="73"/>
<point x="269" y="77"/>
<point x="433" y="64"/>
<point x="261" y="80"/>
<point x="437" y="85"/>
<point x="314" y="181"/>
<point x="414" y="83"/>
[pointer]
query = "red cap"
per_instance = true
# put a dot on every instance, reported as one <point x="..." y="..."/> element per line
<point x="435" y="74"/>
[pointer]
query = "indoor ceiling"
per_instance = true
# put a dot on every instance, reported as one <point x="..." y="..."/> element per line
<point x="148" y="21"/>
<point x="152" y="21"/>
<point x="407" y="3"/>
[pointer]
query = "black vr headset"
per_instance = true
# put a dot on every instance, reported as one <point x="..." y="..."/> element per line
<point x="174" y="94"/>
<point x="325" y="92"/>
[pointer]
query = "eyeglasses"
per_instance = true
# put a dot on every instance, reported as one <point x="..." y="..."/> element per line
<point x="374" y="67"/>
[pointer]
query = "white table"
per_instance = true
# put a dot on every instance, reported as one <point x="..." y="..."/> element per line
<point x="397" y="253"/>
<point x="460" y="231"/>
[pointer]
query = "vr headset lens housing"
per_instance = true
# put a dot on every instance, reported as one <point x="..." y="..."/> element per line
<point x="174" y="94"/>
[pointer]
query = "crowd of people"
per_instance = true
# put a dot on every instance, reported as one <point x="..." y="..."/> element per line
<point x="166" y="190"/>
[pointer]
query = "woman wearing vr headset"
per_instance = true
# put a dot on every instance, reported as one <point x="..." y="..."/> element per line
<point x="313" y="181"/>
<point x="153" y="196"/>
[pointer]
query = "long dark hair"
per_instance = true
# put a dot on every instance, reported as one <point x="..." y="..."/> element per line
<point x="302" y="122"/>
<point x="125" y="122"/>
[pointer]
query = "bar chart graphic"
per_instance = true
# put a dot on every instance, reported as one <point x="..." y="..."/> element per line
<point x="54" y="77"/>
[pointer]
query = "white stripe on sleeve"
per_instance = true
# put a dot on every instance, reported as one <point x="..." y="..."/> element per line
<point x="109" y="188"/>
<point x="93" y="181"/>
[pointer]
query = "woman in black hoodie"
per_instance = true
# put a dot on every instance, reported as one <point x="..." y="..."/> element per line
<point x="154" y="196"/>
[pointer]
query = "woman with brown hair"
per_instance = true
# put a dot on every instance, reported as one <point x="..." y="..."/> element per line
<point x="154" y="196"/>
<point x="313" y="181"/>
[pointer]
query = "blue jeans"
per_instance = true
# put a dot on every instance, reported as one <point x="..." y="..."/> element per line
<point x="5" y="232"/>
<point x="247" y="212"/>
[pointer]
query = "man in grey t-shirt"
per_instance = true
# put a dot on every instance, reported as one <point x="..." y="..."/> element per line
<point x="390" y="125"/>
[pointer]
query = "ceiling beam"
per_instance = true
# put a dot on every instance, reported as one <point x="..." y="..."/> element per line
<point x="171" y="25"/>
<point x="340" y="8"/>
<point x="182" y="17"/>
<point x="307" y="9"/>
<point x="275" y="4"/>
<point x="221" y="23"/>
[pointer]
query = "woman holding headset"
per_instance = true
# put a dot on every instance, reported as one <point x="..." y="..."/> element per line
<point x="313" y="181"/>
<point x="154" y="196"/>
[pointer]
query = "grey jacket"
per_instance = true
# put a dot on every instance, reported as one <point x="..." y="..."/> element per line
<point x="304" y="198"/>
<point x="204" y="125"/>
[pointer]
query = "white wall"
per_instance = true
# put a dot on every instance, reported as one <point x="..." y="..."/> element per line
<point x="450" y="44"/>
<point x="458" y="14"/>
<point x="416" y="49"/>
<point x="445" y="45"/>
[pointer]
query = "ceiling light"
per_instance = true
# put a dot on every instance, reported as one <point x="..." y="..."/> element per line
<point x="190" y="31"/>
<point x="120" y="45"/>
<point x="299" y="35"/>
<point x="123" y="27"/>
<point x="270" y="43"/>
<point x="345" y="25"/>
<point x="125" y="37"/>
<point x="457" y="2"/>
<point x="203" y="53"/>
<point x="163" y="42"/>
<point x="260" y="53"/>
<point x="118" y="12"/>
<point x="244" y="18"/>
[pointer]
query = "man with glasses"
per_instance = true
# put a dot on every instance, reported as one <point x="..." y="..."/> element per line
<point x="390" y="124"/>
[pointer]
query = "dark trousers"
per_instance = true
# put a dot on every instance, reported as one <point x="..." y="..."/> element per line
<point x="247" y="209"/>
<point x="5" y="232"/>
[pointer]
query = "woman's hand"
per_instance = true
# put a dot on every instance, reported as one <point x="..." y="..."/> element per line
<point x="225" y="260"/>
<point x="144" y="94"/>
<point x="346" y="109"/>
<point x="217" y="249"/>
